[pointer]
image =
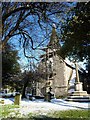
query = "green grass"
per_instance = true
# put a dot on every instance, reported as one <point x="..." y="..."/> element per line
<point x="63" y="115"/>
<point x="57" y="115"/>
<point x="71" y="114"/>
<point x="5" y="110"/>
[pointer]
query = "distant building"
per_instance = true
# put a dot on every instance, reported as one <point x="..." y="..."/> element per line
<point x="57" y="73"/>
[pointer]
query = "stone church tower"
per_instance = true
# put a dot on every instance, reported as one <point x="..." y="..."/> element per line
<point x="55" y="69"/>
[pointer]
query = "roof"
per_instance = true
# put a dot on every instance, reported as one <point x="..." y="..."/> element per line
<point x="70" y="65"/>
<point x="54" y="39"/>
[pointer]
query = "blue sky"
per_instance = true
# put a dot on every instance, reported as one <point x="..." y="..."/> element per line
<point x="38" y="35"/>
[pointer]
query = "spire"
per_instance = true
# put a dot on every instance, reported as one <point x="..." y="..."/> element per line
<point x="54" y="40"/>
<point x="54" y="26"/>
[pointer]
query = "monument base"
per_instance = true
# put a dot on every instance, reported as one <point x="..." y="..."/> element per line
<point x="79" y="95"/>
<point x="78" y="86"/>
<point x="78" y="99"/>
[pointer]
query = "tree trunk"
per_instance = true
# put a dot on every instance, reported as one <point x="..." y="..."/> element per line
<point x="24" y="88"/>
<point x="23" y="92"/>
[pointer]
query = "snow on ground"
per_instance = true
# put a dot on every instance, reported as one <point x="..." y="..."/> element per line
<point x="7" y="100"/>
<point x="43" y="107"/>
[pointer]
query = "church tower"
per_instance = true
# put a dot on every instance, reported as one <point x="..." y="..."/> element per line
<point x="54" y="40"/>
<point x="54" y="67"/>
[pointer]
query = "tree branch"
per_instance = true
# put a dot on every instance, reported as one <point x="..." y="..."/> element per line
<point x="12" y="30"/>
<point x="4" y="17"/>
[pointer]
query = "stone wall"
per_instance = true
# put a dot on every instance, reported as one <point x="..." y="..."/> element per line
<point x="58" y="82"/>
<point x="59" y="79"/>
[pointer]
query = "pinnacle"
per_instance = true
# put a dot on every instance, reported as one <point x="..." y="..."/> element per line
<point x="54" y="26"/>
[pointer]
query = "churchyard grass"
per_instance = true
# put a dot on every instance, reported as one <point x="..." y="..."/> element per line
<point x="72" y="114"/>
<point x="63" y="115"/>
<point x="6" y="110"/>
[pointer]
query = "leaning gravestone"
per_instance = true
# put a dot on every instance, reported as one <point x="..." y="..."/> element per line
<point x="17" y="99"/>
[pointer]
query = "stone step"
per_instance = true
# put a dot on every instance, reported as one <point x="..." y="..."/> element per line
<point x="78" y="97"/>
<point x="79" y="93"/>
<point x="78" y="100"/>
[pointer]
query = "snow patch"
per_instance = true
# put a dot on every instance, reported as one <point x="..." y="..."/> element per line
<point x="43" y="107"/>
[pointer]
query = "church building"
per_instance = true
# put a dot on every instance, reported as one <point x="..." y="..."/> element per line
<point x="57" y="73"/>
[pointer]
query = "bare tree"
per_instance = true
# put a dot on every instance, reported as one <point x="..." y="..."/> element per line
<point x="22" y="20"/>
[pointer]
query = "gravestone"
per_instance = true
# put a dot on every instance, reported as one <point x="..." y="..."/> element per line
<point x="2" y="101"/>
<point x="17" y="99"/>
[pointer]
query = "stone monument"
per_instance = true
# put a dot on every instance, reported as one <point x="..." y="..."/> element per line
<point x="78" y="95"/>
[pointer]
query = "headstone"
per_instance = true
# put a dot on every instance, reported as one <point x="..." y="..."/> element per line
<point x="48" y="97"/>
<point x="2" y="101"/>
<point x="17" y="99"/>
